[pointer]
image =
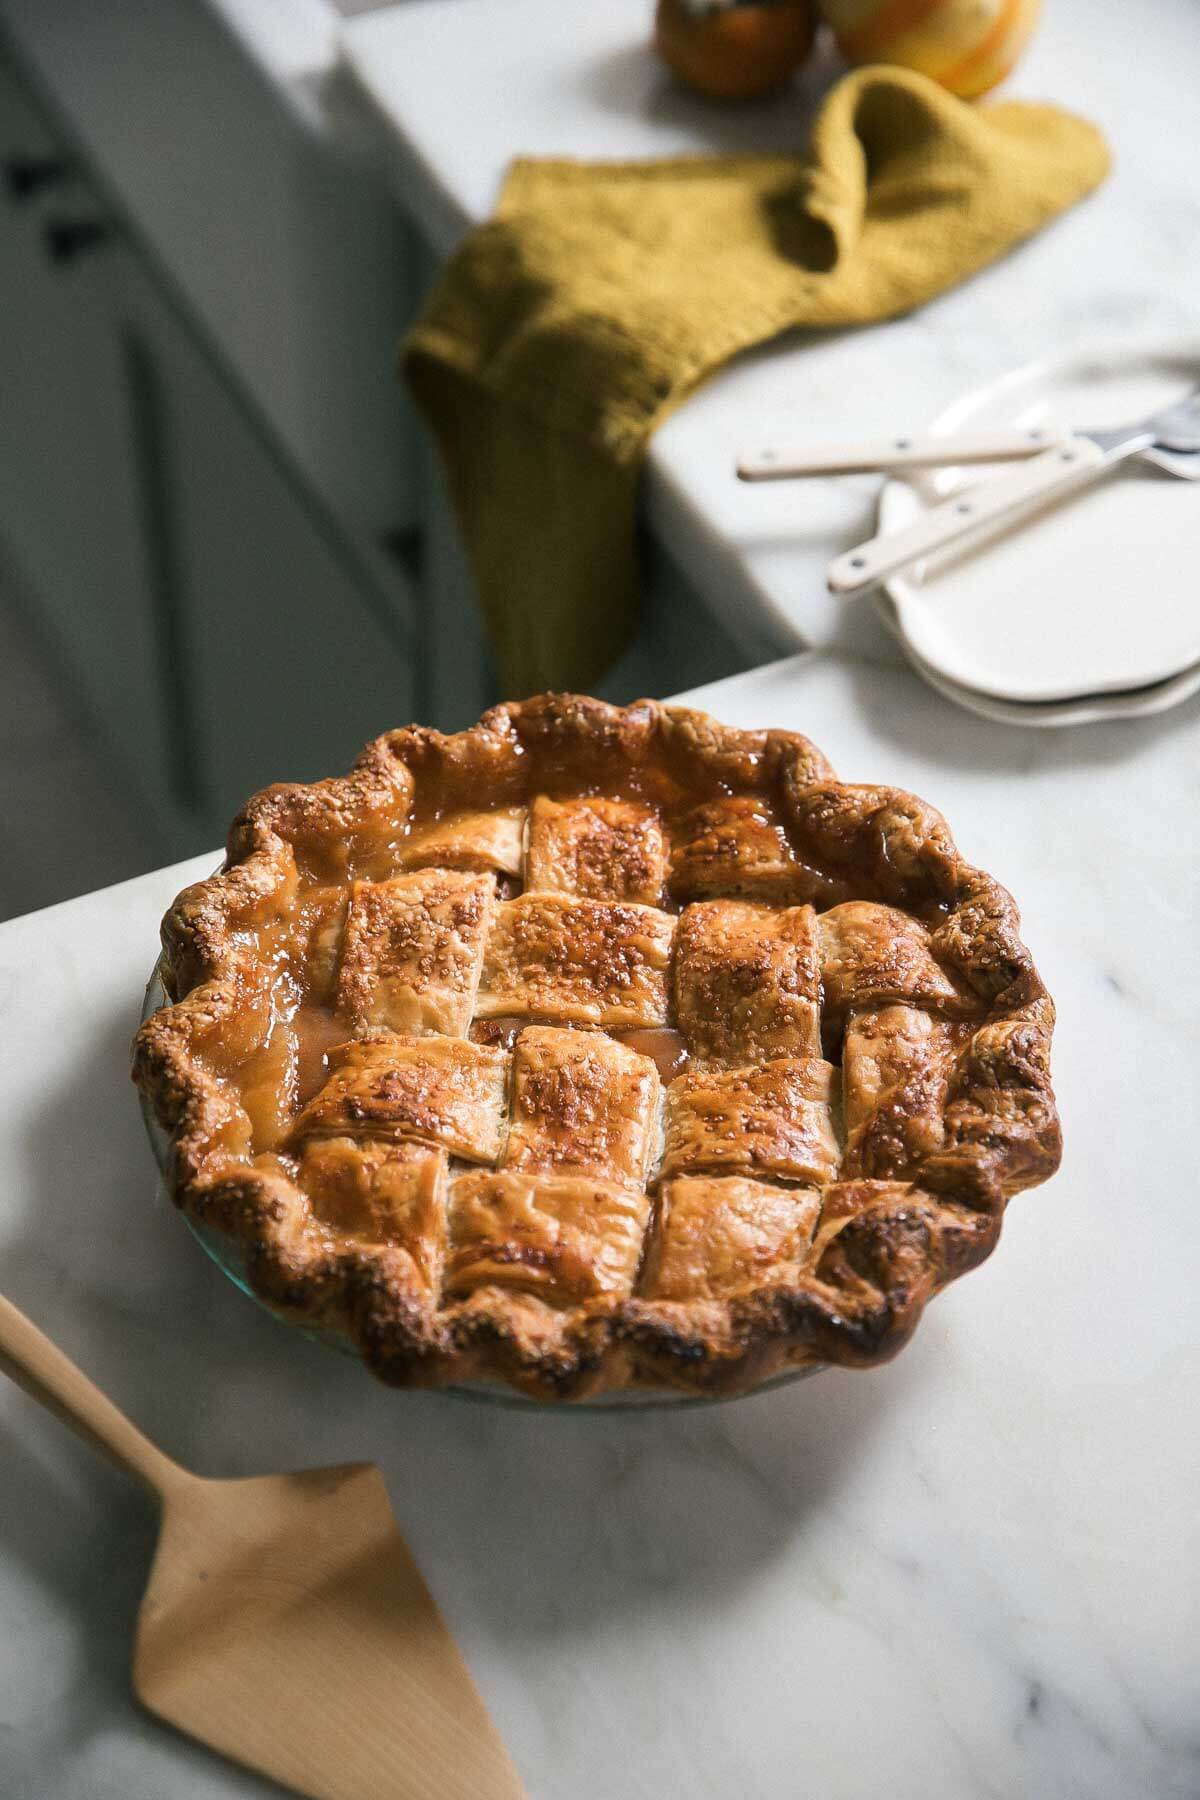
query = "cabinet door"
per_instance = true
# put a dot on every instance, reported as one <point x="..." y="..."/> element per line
<point x="289" y="642"/>
<point x="68" y="508"/>
<point x="292" y="251"/>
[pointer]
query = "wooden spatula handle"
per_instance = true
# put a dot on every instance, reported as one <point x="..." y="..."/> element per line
<point x="41" y="1368"/>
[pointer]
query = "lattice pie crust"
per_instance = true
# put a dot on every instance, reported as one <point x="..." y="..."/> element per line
<point x="594" y="1048"/>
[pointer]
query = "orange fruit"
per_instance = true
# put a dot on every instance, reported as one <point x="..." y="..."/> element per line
<point x="734" y="52"/>
<point x="966" y="45"/>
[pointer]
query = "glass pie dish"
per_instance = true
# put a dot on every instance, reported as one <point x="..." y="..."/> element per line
<point x="598" y="1055"/>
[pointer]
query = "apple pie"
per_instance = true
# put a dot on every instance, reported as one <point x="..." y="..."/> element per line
<point x="599" y="1048"/>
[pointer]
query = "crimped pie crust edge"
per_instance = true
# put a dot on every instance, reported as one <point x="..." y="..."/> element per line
<point x="873" y="1268"/>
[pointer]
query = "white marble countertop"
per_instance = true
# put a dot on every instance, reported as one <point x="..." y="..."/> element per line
<point x="461" y="86"/>
<point x="973" y="1573"/>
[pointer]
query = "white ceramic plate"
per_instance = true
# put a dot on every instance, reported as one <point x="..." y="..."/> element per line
<point x="1088" y="709"/>
<point x="1090" y="606"/>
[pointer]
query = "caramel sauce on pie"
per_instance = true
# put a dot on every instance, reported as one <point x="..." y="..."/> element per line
<point x="302" y="948"/>
<point x="265" y="1081"/>
<point x="317" y="1031"/>
<point x="501" y="1032"/>
<point x="716" y="841"/>
<point x="665" y="1047"/>
<point x="280" y="1077"/>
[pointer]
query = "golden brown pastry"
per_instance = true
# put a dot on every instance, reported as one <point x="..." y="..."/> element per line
<point x="468" y="840"/>
<point x="720" y="1236"/>
<point x="748" y="981"/>
<point x="440" y="1091"/>
<point x="561" y="1238"/>
<point x="412" y="951"/>
<point x="771" y="1119"/>
<point x="590" y="962"/>
<point x="381" y="1193"/>
<point x="597" y="1048"/>
<point x="582" y="1104"/>
<point x="600" y="849"/>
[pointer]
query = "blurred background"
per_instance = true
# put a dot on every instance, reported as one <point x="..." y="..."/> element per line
<point x="226" y="555"/>
<point x="210" y="516"/>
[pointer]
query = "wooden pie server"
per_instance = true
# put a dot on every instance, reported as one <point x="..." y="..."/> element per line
<point x="285" y="1622"/>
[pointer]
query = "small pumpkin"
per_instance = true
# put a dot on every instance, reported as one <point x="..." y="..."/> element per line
<point x="734" y="51"/>
<point x="966" y="45"/>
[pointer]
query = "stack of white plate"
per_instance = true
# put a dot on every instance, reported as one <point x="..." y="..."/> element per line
<point x="1089" y="611"/>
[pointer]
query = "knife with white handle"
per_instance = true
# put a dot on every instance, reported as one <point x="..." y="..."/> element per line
<point x="967" y="512"/>
<point x="783" y="462"/>
<point x="1070" y="464"/>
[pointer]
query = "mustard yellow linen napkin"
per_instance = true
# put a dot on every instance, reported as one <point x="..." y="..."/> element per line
<point x="600" y="294"/>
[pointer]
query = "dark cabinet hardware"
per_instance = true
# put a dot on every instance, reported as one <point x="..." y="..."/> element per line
<point x="26" y="176"/>
<point x="407" y="547"/>
<point x="67" y="239"/>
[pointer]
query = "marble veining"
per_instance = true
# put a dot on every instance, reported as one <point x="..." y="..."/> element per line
<point x="969" y="1575"/>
